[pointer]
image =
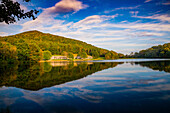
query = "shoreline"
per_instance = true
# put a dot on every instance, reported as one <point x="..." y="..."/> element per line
<point x="70" y="60"/>
<point x="82" y="60"/>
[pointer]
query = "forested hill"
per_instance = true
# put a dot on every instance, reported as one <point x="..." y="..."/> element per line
<point x="160" y="51"/>
<point x="30" y="46"/>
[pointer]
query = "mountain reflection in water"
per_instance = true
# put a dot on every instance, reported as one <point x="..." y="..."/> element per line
<point x="136" y="87"/>
<point x="40" y="75"/>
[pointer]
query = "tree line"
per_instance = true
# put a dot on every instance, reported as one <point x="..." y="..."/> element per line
<point x="34" y="45"/>
<point x="160" y="51"/>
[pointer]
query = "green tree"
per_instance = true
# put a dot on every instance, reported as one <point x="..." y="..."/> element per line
<point x="108" y="56"/>
<point x="70" y="55"/>
<point x="160" y="51"/>
<point x="8" y="52"/>
<point x="47" y="55"/>
<point x="64" y="53"/>
<point x="95" y="54"/>
<point x="121" y="55"/>
<point x="82" y="55"/>
<point x="34" y="52"/>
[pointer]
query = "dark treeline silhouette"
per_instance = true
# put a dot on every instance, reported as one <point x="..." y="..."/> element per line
<point x="160" y="51"/>
<point x="158" y="65"/>
<point x="10" y="10"/>
<point x="29" y="46"/>
<point x="40" y="75"/>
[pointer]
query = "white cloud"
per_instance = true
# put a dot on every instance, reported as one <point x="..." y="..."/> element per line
<point x="46" y="21"/>
<point x="100" y="31"/>
<point x="105" y="39"/>
<point x="156" y="16"/>
<point x="146" y="1"/>
<point x="66" y="6"/>
<point x="146" y="34"/>
<point x="92" y="20"/>
<point x="139" y="26"/>
<point x="135" y="13"/>
<point x="3" y="34"/>
<point x="166" y="3"/>
<point x="122" y="8"/>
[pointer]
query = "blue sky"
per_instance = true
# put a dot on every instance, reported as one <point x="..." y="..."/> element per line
<point x="121" y="25"/>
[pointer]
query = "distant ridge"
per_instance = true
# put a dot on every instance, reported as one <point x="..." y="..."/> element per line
<point x="30" y="43"/>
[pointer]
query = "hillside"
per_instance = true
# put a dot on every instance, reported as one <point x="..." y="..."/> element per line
<point x="31" y="45"/>
<point x="160" y="51"/>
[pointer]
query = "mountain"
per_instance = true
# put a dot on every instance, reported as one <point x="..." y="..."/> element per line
<point x="30" y="46"/>
<point x="160" y="51"/>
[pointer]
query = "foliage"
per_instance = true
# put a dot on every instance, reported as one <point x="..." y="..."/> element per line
<point x="57" y="45"/>
<point x="111" y="55"/>
<point x="28" y="51"/>
<point x="47" y="55"/>
<point x="10" y="11"/>
<point x="8" y="52"/>
<point x="108" y="56"/>
<point x="95" y="54"/>
<point x="120" y="55"/>
<point x="40" y="75"/>
<point x="159" y="65"/>
<point x="70" y="55"/>
<point x="160" y="51"/>
<point x="82" y="54"/>
<point x="64" y="53"/>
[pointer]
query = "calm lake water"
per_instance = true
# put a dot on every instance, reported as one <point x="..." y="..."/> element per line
<point x="112" y="86"/>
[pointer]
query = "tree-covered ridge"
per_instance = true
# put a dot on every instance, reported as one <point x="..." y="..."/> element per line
<point x="31" y="44"/>
<point x="160" y="51"/>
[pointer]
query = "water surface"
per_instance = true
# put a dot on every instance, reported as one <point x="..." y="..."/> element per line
<point x="86" y="87"/>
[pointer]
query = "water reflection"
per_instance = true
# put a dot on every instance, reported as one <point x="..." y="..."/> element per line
<point x="119" y="88"/>
<point x="40" y="75"/>
<point x="161" y="66"/>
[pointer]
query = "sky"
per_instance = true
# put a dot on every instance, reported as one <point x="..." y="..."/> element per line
<point x="123" y="26"/>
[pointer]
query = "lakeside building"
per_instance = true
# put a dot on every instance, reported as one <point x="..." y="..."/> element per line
<point x="59" y="57"/>
<point x="65" y="57"/>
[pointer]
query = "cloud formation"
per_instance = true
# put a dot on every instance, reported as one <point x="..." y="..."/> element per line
<point x="94" y="19"/>
<point x="147" y="1"/>
<point x="66" y="6"/>
<point x="166" y="3"/>
<point x="99" y="28"/>
<point x="121" y="24"/>
<point x="3" y="34"/>
<point x="134" y="12"/>
<point x="123" y="8"/>
<point x="146" y="34"/>
<point x="156" y="16"/>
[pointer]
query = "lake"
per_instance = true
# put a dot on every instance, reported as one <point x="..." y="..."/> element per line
<point x="109" y="86"/>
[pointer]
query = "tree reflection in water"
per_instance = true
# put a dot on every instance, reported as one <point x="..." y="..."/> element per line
<point x="41" y="75"/>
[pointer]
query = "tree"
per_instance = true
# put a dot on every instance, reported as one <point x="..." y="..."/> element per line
<point x="34" y="52"/>
<point x="121" y="55"/>
<point x="82" y="55"/>
<point x="70" y="55"/>
<point x="8" y="52"/>
<point x="64" y="53"/>
<point x="47" y="55"/>
<point x="10" y="11"/>
<point x="114" y="55"/>
<point x="160" y="51"/>
<point x="108" y="55"/>
<point x="95" y="54"/>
